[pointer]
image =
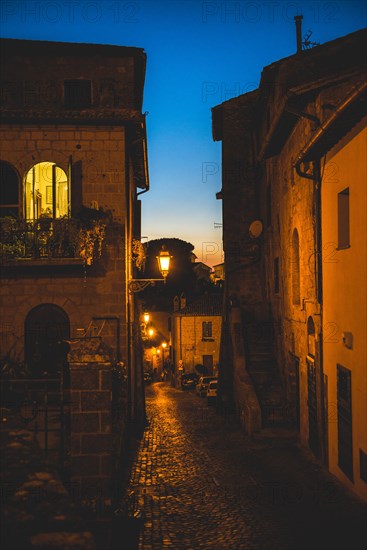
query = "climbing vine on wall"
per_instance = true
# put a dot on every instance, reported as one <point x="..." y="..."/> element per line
<point x="139" y="254"/>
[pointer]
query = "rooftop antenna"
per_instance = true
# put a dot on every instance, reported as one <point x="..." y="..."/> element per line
<point x="307" y="44"/>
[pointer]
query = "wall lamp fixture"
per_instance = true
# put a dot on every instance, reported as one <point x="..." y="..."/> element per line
<point x="164" y="258"/>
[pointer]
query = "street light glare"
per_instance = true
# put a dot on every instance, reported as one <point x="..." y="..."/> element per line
<point x="164" y="259"/>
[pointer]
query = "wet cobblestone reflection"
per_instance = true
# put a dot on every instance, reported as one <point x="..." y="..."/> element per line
<point x="200" y="483"/>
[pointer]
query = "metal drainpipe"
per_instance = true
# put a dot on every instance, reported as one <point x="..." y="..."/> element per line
<point x="129" y="297"/>
<point x="316" y="177"/>
<point x="317" y="172"/>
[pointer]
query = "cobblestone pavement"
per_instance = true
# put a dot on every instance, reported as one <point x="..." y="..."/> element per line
<point x="200" y="483"/>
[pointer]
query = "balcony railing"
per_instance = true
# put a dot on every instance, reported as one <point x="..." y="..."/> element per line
<point x="50" y="238"/>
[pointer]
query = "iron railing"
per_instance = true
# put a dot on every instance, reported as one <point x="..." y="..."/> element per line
<point x="50" y="238"/>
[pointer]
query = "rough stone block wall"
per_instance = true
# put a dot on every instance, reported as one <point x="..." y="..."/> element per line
<point x="292" y="207"/>
<point x="102" y="179"/>
<point x="99" y="150"/>
<point x="92" y="440"/>
<point x="35" y="78"/>
<point x="240" y="205"/>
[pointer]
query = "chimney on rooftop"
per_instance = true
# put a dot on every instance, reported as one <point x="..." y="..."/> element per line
<point x="298" y="20"/>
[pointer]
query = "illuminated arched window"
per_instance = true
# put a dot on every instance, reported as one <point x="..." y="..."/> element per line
<point x="9" y="190"/>
<point x="46" y="192"/>
<point x="296" y="292"/>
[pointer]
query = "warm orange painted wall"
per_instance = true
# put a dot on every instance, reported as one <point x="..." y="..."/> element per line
<point x="345" y="293"/>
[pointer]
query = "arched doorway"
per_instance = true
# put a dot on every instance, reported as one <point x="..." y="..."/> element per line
<point x="45" y="326"/>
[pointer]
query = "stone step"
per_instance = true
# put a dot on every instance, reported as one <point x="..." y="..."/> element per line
<point x="271" y="374"/>
<point x="264" y="366"/>
<point x="257" y="357"/>
<point x="277" y="415"/>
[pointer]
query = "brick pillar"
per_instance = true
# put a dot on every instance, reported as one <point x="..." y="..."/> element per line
<point x="92" y="443"/>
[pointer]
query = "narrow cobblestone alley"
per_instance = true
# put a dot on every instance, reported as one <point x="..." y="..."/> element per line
<point x="200" y="483"/>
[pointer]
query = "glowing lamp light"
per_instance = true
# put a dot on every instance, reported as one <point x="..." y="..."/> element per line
<point x="146" y="317"/>
<point x="164" y="260"/>
<point x="151" y="332"/>
<point x="164" y="345"/>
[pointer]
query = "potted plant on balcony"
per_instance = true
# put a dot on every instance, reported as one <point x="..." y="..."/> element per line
<point x="90" y="242"/>
<point x="12" y="238"/>
<point x="64" y="238"/>
<point x="92" y="231"/>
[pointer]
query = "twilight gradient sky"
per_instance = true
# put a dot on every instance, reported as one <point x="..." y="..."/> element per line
<point x="200" y="53"/>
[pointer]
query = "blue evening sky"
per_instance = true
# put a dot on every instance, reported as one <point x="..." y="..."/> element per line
<point x="199" y="53"/>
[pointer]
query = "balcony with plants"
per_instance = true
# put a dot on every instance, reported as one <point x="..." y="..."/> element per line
<point x="58" y="241"/>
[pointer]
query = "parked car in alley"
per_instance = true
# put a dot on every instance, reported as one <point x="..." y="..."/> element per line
<point x="212" y="392"/>
<point x="147" y="377"/>
<point x="203" y="384"/>
<point x="189" y="381"/>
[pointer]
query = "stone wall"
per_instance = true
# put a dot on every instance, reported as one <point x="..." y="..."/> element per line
<point x="98" y="159"/>
<point x="99" y="153"/>
<point x="36" y="73"/>
<point x="36" y="509"/>
<point x="92" y="440"/>
<point x="292" y="209"/>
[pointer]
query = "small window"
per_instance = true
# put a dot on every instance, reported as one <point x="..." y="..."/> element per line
<point x="276" y="275"/>
<point x="343" y="219"/>
<point x="207" y="330"/>
<point x="77" y="94"/>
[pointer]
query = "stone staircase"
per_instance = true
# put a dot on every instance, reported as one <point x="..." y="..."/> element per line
<point x="262" y="367"/>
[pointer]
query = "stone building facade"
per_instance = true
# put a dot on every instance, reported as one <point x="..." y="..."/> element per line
<point x="281" y="261"/>
<point x="196" y="333"/>
<point x="73" y="158"/>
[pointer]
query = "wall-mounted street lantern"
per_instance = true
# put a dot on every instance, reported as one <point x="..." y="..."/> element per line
<point x="164" y="258"/>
